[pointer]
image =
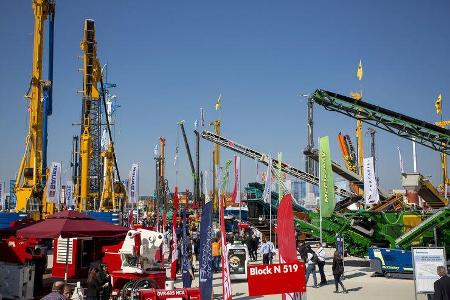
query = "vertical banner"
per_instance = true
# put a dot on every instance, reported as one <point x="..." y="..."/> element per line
<point x="237" y="180"/>
<point x="69" y="194"/>
<point x="54" y="183"/>
<point x="134" y="184"/>
<point x="202" y="117"/>
<point x="327" y="198"/>
<point x="226" y="281"/>
<point x="371" y="195"/>
<point x="267" y="194"/>
<point x="206" y="236"/>
<point x="402" y="170"/>
<point x="12" y="195"/>
<point x="187" y="280"/>
<point x="173" y="266"/>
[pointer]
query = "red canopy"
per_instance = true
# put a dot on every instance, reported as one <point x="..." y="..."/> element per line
<point x="70" y="224"/>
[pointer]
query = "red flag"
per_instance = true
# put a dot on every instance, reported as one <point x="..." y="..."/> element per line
<point x="226" y="281"/>
<point x="130" y="219"/>
<point x="173" y="266"/>
<point x="286" y="236"/>
<point x="236" y="197"/>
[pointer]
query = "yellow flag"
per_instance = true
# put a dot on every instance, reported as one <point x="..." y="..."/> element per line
<point x="218" y="103"/>
<point x="359" y="72"/>
<point x="438" y="104"/>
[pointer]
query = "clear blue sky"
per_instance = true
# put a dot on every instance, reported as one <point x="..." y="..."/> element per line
<point x="171" y="58"/>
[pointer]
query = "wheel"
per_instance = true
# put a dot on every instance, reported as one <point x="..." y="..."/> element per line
<point x="124" y="293"/>
<point x="145" y="283"/>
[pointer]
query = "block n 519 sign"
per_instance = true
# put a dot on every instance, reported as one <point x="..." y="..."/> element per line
<point x="276" y="279"/>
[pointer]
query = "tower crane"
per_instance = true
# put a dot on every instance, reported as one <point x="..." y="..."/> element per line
<point x="31" y="176"/>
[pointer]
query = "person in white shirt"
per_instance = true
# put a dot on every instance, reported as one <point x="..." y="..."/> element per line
<point x="311" y="261"/>
<point x="321" y="263"/>
<point x="267" y="250"/>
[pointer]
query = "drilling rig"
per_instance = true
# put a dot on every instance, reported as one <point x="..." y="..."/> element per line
<point x="31" y="176"/>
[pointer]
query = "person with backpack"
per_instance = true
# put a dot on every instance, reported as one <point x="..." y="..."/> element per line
<point x="311" y="262"/>
<point x="338" y="270"/>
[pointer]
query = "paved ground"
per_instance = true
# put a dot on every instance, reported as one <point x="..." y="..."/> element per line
<point x="357" y="280"/>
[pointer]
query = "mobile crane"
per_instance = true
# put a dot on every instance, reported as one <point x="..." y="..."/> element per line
<point x="31" y="176"/>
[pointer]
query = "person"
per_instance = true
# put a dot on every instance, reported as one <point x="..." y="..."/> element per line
<point x="302" y="250"/>
<point x="57" y="292"/>
<point x="67" y="292"/>
<point x="338" y="270"/>
<point x="321" y="264"/>
<point x="249" y="243"/>
<point x="255" y="244"/>
<point x="188" y="272"/>
<point x="215" y="249"/>
<point x="266" y="251"/>
<point x="40" y="264"/>
<point x="94" y="285"/>
<point x="105" y="280"/>
<point x="311" y="261"/>
<point x="442" y="285"/>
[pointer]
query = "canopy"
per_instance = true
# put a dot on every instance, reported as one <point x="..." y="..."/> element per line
<point x="70" y="224"/>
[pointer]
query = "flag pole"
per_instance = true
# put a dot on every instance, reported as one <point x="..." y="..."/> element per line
<point x="270" y="200"/>
<point x="239" y="191"/>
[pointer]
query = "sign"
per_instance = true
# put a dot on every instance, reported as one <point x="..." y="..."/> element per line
<point x="371" y="195"/>
<point x="425" y="262"/>
<point x="237" y="258"/>
<point x="340" y="245"/>
<point x="12" y="194"/>
<point x="69" y="193"/>
<point x="267" y="279"/>
<point x="54" y="183"/>
<point x="134" y="184"/>
<point x="327" y="197"/>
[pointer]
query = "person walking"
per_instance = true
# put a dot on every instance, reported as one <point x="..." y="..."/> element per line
<point x="311" y="261"/>
<point x="321" y="264"/>
<point x="338" y="270"/>
<point x="215" y="249"/>
<point x="249" y="243"/>
<point x="442" y="285"/>
<point x="255" y="244"/>
<point x="267" y="250"/>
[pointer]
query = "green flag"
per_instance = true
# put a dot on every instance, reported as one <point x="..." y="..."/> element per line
<point x="327" y="198"/>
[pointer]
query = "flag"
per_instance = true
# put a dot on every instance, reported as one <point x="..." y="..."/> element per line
<point x="286" y="237"/>
<point x="371" y="195"/>
<point x="237" y="180"/>
<point x="202" y="117"/>
<point x="402" y="170"/>
<point x="69" y="193"/>
<point x="196" y="124"/>
<point x="218" y="102"/>
<point x="280" y="177"/>
<point x="130" y="219"/>
<point x="187" y="281"/>
<point x="134" y="184"/>
<point x="359" y="72"/>
<point x="205" y="189"/>
<point x="267" y="194"/>
<point x="226" y="281"/>
<point x="327" y="198"/>
<point x="54" y="183"/>
<point x="155" y="151"/>
<point x="205" y="260"/>
<point x="438" y="104"/>
<point x="173" y="267"/>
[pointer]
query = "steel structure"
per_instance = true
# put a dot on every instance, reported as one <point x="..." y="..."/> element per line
<point x="264" y="158"/>
<point x="427" y="134"/>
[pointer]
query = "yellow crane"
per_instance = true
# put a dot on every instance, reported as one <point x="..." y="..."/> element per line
<point x="91" y="78"/>
<point x="445" y="180"/>
<point x="29" y="186"/>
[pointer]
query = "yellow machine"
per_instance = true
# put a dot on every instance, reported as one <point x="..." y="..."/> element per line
<point x="445" y="180"/>
<point x="91" y="78"/>
<point x="216" y="156"/>
<point x="29" y="187"/>
<point x="108" y="199"/>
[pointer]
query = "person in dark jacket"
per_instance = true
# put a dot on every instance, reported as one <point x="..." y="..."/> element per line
<point x="338" y="270"/>
<point x="94" y="286"/>
<point x="442" y="285"/>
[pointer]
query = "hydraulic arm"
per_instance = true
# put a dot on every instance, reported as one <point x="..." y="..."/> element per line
<point x="30" y="180"/>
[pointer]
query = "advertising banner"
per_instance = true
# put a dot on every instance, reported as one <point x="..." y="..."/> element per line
<point x="134" y="184"/>
<point x="425" y="262"/>
<point x="266" y="279"/>
<point x="54" y="183"/>
<point x="69" y="193"/>
<point x="371" y="195"/>
<point x="12" y="195"/>
<point x="327" y="197"/>
<point x="237" y="258"/>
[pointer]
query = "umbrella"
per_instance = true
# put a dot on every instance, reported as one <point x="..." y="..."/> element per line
<point x="71" y="224"/>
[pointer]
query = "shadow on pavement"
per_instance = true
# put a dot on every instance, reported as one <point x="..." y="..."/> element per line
<point x="354" y="275"/>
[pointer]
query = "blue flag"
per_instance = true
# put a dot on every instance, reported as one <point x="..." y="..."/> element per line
<point x="206" y="236"/>
<point x="187" y="280"/>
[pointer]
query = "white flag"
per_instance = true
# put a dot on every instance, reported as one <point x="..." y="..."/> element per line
<point x="69" y="193"/>
<point x="205" y="189"/>
<point x="267" y="194"/>
<point x="371" y="195"/>
<point x="401" y="160"/>
<point x="54" y="183"/>
<point x="134" y="183"/>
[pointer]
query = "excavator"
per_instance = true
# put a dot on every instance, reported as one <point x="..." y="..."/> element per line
<point x="31" y="176"/>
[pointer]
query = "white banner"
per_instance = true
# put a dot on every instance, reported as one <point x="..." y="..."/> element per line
<point x="54" y="183"/>
<point x="205" y="189"/>
<point x="134" y="184"/>
<point x="69" y="193"/>
<point x="267" y="194"/>
<point x="371" y="195"/>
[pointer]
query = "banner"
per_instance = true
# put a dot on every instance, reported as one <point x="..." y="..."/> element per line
<point x="237" y="180"/>
<point x="202" y="117"/>
<point x="276" y="279"/>
<point x="69" y="193"/>
<point x="205" y="260"/>
<point x="173" y="266"/>
<point x="425" y="262"/>
<point x="327" y="197"/>
<point x="54" y="183"/>
<point x="226" y="281"/>
<point x="187" y="280"/>
<point x="12" y="195"/>
<point x="133" y="195"/>
<point x="371" y="195"/>
<point x="267" y="194"/>
<point x="2" y="203"/>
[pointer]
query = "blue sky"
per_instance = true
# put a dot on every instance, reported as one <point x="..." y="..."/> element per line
<point x="170" y="58"/>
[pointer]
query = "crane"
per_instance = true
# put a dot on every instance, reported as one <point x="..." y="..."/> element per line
<point x="31" y="175"/>
<point x="445" y="180"/>
<point x="191" y="162"/>
<point x="346" y="152"/>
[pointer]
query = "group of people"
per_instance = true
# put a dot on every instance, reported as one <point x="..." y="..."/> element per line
<point x="98" y="283"/>
<point x="313" y="259"/>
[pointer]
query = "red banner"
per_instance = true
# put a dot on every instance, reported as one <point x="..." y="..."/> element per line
<point x="266" y="279"/>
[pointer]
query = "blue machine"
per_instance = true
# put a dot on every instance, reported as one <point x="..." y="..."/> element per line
<point x="109" y="217"/>
<point x="391" y="262"/>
